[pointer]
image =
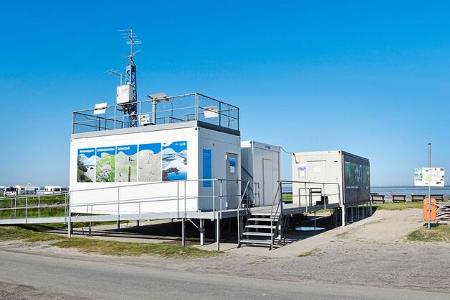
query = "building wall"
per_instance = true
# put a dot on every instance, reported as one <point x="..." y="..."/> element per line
<point x="158" y="191"/>
<point x="162" y="194"/>
<point x="219" y="144"/>
<point x="318" y="168"/>
<point x="350" y="172"/>
<point x="262" y="161"/>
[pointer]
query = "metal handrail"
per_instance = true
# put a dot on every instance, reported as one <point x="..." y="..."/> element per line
<point x="119" y="202"/>
<point x="278" y="195"/>
<point x="238" y="211"/>
<point x="226" y="112"/>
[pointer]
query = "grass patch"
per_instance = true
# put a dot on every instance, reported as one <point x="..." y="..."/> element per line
<point x="398" y="206"/>
<point x="131" y="249"/>
<point x="287" y="197"/>
<point x="440" y="233"/>
<point x="29" y="234"/>
<point x="36" y="233"/>
<point x="312" y="252"/>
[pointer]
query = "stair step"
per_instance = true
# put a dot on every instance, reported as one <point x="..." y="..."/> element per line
<point x="268" y="214"/>
<point x="253" y="233"/>
<point x="275" y="220"/>
<point x="261" y="226"/>
<point x="260" y="242"/>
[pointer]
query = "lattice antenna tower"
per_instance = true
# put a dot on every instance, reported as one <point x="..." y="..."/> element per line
<point x="130" y="73"/>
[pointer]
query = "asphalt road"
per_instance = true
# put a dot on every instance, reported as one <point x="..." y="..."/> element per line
<point x="31" y="276"/>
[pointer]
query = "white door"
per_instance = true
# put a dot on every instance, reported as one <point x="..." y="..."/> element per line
<point x="268" y="183"/>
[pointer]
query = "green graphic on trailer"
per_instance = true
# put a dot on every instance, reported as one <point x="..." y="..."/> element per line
<point x="106" y="164"/>
<point x="86" y="165"/>
<point x="126" y="163"/>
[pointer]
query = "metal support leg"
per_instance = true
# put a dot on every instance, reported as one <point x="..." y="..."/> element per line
<point x="69" y="223"/>
<point x="343" y="216"/>
<point x="202" y="232"/>
<point x="315" y="221"/>
<point x="218" y="232"/>
<point x="183" y="238"/>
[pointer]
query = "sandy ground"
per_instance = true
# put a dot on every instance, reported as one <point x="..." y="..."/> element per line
<point x="372" y="252"/>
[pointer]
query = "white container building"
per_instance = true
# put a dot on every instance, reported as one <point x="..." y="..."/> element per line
<point x="188" y="161"/>
<point x="261" y="167"/>
<point x="343" y="178"/>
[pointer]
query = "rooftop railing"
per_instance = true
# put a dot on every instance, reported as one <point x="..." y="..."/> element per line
<point x="174" y="109"/>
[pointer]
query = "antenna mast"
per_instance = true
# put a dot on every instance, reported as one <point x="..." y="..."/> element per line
<point x="130" y="75"/>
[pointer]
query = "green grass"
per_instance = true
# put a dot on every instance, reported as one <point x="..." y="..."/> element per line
<point x="26" y="233"/>
<point x="397" y="206"/>
<point x="440" y="233"/>
<point x="287" y="197"/>
<point x="88" y="245"/>
<point x="33" y="201"/>
<point x="132" y="249"/>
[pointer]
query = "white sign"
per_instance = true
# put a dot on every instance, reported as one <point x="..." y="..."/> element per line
<point x="211" y="112"/>
<point x="429" y="177"/>
<point x="144" y="119"/>
<point x="100" y="108"/>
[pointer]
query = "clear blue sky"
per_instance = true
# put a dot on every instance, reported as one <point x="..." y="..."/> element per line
<point x="369" y="77"/>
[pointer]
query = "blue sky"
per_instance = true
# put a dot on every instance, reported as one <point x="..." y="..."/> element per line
<point x="369" y="77"/>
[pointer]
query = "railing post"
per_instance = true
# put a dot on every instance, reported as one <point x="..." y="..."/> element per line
<point x="220" y="113"/>
<point x="65" y="208"/>
<point x="218" y="215"/>
<point x="214" y="197"/>
<point x="178" y="199"/>
<point x="26" y="210"/>
<point x="185" y="199"/>
<point x="118" y="207"/>
<point x="183" y="238"/>
<point x="196" y="106"/>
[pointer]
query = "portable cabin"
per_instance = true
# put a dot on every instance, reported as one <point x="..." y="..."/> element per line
<point x="187" y="158"/>
<point x="52" y="189"/>
<point x="336" y="177"/>
<point x="260" y="167"/>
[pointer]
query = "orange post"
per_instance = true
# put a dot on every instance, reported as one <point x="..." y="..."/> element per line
<point x="433" y="213"/>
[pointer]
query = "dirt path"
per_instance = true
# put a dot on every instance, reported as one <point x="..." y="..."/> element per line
<point x="386" y="226"/>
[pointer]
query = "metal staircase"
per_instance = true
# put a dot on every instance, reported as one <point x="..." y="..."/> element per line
<point x="262" y="228"/>
<point x="265" y="226"/>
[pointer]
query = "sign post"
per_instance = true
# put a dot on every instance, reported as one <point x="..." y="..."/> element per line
<point x="429" y="177"/>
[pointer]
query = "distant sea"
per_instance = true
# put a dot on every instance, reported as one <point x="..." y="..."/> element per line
<point x="409" y="190"/>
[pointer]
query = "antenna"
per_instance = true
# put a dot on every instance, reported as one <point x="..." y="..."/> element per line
<point x="132" y="40"/>
<point x="130" y="75"/>
<point x="117" y="73"/>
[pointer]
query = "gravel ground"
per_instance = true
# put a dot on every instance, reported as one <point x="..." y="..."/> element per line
<point x="375" y="253"/>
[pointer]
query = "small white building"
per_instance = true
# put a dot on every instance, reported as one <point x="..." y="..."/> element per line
<point x="261" y="166"/>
